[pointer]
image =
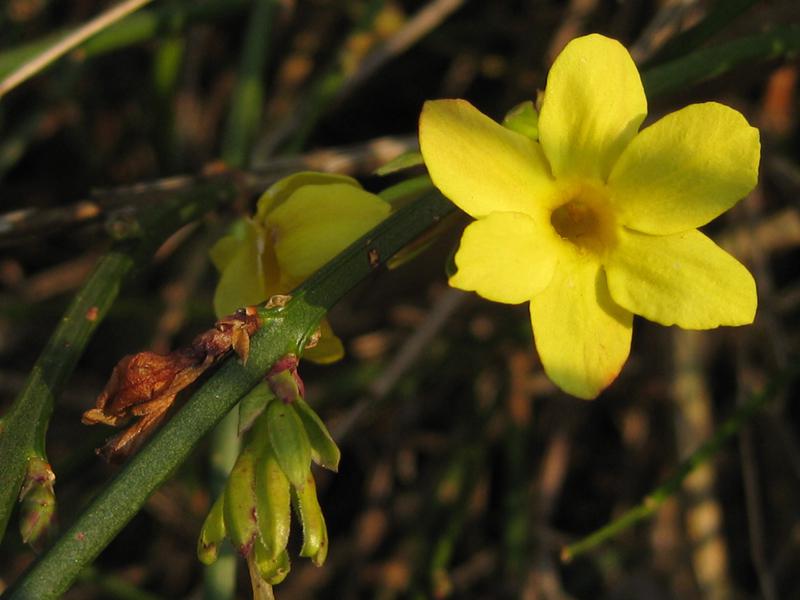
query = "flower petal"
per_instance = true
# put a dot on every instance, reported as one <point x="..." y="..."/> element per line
<point x="504" y="257"/>
<point x="318" y="221"/>
<point x="479" y="164"/>
<point x="242" y="277"/>
<point x="685" y="169"/>
<point x="683" y="279"/>
<point x="582" y="336"/>
<point x="329" y="348"/>
<point x="593" y="105"/>
<point x="281" y="190"/>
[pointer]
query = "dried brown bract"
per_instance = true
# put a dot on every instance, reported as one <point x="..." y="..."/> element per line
<point x="145" y="384"/>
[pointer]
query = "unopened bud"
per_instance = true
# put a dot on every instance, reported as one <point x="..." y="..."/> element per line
<point x="315" y="533"/>
<point x="37" y="502"/>
<point x="273" y="497"/>
<point x="289" y="442"/>
<point x="212" y="533"/>
<point x="324" y="450"/>
<point x="239" y="508"/>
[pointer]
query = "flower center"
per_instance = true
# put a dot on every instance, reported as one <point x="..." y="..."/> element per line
<point x="585" y="219"/>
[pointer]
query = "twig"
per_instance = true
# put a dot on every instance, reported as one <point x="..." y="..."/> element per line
<point x="356" y="159"/>
<point x="72" y="40"/>
<point x="24" y="426"/>
<point x="662" y="493"/>
<point x="694" y="421"/>
<point x="723" y="12"/>
<point x="284" y="331"/>
<point x="665" y="23"/>
<point x="336" y="83"/>
<point x="247" y="98"/>
<point x="405" y="358"/>
<point x="422" y="23"/>
<point x="715" y="61"/>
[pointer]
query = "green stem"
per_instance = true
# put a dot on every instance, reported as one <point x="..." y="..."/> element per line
<point x="708" y="63"/>
<point x="135" y="29"/>
<point x="704" y="453"/>
<point x="285" y="330"/>
<point x="219" y="579"/>
<point x="724" y="12"/>
<point x="24" y="427"/>
<point x="248" y="96"/>
<point x="325" y="89"/>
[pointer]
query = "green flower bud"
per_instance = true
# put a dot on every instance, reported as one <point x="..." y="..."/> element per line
<point x="315" y="533"/>
<point x="324" y="450"/>
<point x="212" y="533"/>
<point x="273" y="499"/>
<point x="289" y="441"/>
<point x="272" y="570"/>
<point x="239" y="507"/>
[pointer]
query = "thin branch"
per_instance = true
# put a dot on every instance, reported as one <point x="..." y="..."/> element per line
<point x="662" y="493"/>
<point x="71" y="41"/>
<point x="421" y="24"/>
<point x="285" y="330"/>
<point x="23" y="428"/>
<point x="715" y="61"/>
<point x="357" y="159"/>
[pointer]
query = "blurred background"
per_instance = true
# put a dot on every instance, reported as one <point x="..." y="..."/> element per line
<point x="464" y="471"/>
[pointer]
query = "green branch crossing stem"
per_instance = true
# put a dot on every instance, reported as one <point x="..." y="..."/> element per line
<point x="704" y="453"/>
<point x="284" y="330"/>
<point x="24" y="427"/>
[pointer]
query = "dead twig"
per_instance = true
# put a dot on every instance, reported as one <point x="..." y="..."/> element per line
<point x="107" y="205"/>
<point x="70" y="42"/>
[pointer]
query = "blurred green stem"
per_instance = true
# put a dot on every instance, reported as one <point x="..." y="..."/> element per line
<point x="714" y="61"/>
<point x="136" y="28"/>
<point x="724" y="12"/>
<point x="69" y="42"/>
<point x="285" y="330"/>
<point x="704" y="453"/>
<point x="248" y="96"/>
<point x="325" y="89"/>
<point x="23" y="428"/>
<point x="219" y="579"/>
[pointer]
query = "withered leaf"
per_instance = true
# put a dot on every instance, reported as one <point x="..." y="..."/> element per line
<point x="145" y="384"/>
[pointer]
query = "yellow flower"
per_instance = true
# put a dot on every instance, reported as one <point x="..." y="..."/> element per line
<point x="597" y="220"/>
<point x="301" y="223"/>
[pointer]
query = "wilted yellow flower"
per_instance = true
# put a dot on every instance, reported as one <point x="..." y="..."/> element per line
<point x="596" y="221"/>
<point x="300" y="224"/>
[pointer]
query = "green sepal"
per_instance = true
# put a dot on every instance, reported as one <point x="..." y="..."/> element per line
<point x="272" y="570"/>
<point x="523" y="119"/>
<point x="289" y="442"/>
<point x="406" y="160"/>
<point x="324" y="450"/>
<point x="212" y="532"/>
<point x="239" y="507"/>
<point x="403" y="192"/>
<point x="253" y="404"/>
<point x="273" y="497"/>
<point x="315" y="533"/>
